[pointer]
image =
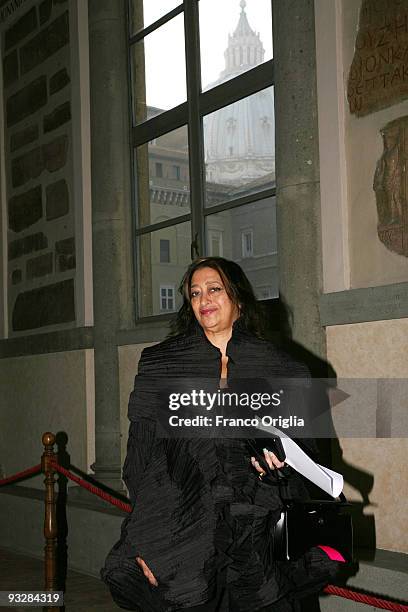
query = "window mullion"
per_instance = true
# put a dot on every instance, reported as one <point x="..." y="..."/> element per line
<point x="239" y="87"/>
<point x="195" y="128"/>
<point x="137" y="36"/>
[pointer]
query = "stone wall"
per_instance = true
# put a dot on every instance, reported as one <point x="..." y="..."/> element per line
<point x="355" y="258"/>
<point x="49" y="392"/>
<point x="351" y="146"/>
<point x="377" y="350"/>
<point x="374" y="264"/>
<point x="38" y="166"/>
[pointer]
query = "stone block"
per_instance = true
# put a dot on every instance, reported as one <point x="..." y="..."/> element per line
<point x="10" y="68"/>
<point x="26" y="101"/>
<point x="55" y="153"/>
<point x="46" y="43"/>
<point x="23" y="137"/>
<point x="22" y="28"/>
<point x="51" y="156"/>
<point x="66" y="262"/>
<point x="65" y="254"/>
<point x="28" y="244"/>
<point x="26" y="167"/>
<point x="58" y="117"/>
<point x="57" y="200"/>
<point x="66" y="246"/>
<point x="59" y="80"/>
<point x="45" y="11"/>
<point x="39" y="266"/>
<point x="43" y="306"/>
<point x="25" y="209"/>
<point x="16" y="277"/>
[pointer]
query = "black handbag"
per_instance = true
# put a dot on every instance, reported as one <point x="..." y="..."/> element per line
<point x="305" y="524"/>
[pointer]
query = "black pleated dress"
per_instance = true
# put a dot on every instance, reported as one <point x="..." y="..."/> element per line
<point x="201" y="518"/>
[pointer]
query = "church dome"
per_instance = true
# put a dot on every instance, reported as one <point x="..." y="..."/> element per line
<point x="239" y="139"/>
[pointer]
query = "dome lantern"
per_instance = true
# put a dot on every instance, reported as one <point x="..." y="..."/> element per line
<point x="245" y="48"/>
<point x="240" y="138"/>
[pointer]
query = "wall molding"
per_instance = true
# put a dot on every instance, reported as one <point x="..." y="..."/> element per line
<point x="380" y="303"/>
<point x="51" y="342"/>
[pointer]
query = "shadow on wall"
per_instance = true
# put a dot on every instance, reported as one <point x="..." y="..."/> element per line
<point x="330" y="451"/>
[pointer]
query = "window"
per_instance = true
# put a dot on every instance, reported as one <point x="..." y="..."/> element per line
<point x="247" y="243"/>
<point x="204" y="96"/>
<point x="167" y="298"/>
<point x="164" y="251"/>
<point x="215" y="243"/>
<point x="176" y="172"/>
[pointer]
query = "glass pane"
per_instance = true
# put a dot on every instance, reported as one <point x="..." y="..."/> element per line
<point x="163" y="192"/>
<point x="248" y="236"/>
<point x="159" y="70"/>
<point x="142" y="14"/>
<point x="159" y="282"/>
<point x="239" y="38"/>
<point x="239" y="148"/>
<point x="164" y="251"/>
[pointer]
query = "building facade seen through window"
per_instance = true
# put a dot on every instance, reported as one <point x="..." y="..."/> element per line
<point x="203" y="134"/>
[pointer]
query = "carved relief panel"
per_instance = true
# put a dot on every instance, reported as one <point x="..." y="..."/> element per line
<point x="378" y="74"/>
<point x="391" y="189"/>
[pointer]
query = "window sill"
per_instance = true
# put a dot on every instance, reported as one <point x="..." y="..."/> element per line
<point x="148" y="329"/>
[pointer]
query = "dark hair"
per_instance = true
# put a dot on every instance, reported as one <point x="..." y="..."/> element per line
<point x="237" y="286"/>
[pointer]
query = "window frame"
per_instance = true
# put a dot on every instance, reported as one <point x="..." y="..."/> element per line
<point x="162" y="240"/>
<point x="246" y="254"/>
<point x="159" y="166"/>
<point x="167" y="287"/>
<point x="218" y="234"/>
<point x="190" y="113"/>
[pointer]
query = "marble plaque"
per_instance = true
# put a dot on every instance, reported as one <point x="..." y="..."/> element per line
<point x="391" y="187"/>
<point x="378" y="74"/>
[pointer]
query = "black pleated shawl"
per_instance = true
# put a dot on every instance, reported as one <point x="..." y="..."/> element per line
<point x="201" y="518"/>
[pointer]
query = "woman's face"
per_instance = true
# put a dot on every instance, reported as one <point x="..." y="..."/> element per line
<point x="210" y="302"/>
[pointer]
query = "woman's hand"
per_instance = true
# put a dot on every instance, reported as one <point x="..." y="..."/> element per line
<point x="147" y="572"/>
<point x="271" y="459"/>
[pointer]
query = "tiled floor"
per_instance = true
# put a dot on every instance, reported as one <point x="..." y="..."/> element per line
<point x="83" y="593"/>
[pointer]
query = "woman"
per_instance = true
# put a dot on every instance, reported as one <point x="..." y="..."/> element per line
<point x="199" y="535"/>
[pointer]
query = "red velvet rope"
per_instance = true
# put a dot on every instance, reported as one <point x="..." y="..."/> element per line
<point x="364" y="598"/>
<point x="332" y="590"/>
<point x="19" y="475"/>
<point x="95" y="490"/>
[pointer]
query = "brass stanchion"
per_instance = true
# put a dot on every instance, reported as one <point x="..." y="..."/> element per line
<point x="50" y="520"/>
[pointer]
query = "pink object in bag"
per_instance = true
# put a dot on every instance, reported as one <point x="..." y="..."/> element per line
<point x="332" y="553"/>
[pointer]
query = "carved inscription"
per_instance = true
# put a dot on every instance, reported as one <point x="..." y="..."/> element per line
<point x="391" y="189"/>
<point x="378" y="74"/>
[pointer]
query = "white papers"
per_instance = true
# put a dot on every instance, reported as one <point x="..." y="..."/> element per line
<point x="323" y="477"/>
<point x="328" y="480"/>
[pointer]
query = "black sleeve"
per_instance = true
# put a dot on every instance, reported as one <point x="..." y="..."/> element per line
<point x="142" y="433"/>
<point x="142" y="430"/>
